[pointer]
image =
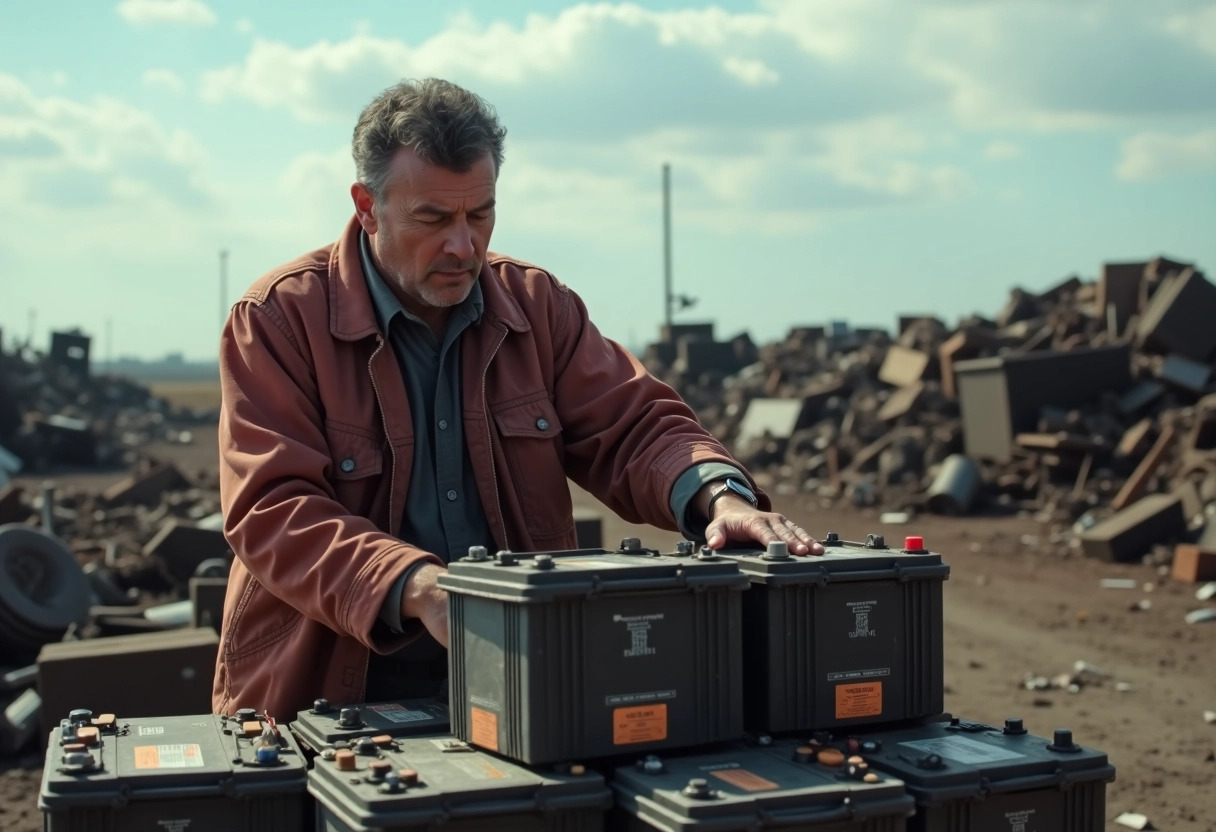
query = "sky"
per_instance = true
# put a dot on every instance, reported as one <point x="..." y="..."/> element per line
<point x="830" y="159"/>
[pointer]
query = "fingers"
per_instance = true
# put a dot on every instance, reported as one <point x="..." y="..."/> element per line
<point x="762" y="528"/>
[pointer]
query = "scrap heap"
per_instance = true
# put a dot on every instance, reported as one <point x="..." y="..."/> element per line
<point x="1090" y="404"/>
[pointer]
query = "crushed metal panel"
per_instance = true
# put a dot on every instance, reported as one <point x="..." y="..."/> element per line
<point x="903" y="366"/>
<point x="151" y="674"/>
<point x="999" y="397"/>
<point x="1119" y="293"/>
<point x="778" y="417"/>
<point x="1130" y="534"/>
<point x="1179" y="317"/>
<point x="1185" y="373"/>
<point x="70" y="350"/>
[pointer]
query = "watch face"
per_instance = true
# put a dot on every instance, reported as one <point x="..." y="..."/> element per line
<point x="742" y="490"/>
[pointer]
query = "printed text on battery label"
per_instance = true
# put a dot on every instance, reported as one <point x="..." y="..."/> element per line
<point x="858" y="700"/>
<point x="398" y="713"/>
<point x="963" y="750"/>
<point x="638" y="627"/>
<point x="860" y="610"/>
<point x="168" y="756"/>
<point x="643" y="723"/>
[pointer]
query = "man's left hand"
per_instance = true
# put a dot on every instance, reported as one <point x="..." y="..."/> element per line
<point x="735" y="521"/>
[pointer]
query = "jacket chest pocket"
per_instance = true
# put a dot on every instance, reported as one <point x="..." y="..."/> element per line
<point x="357" y="465"/>
<point x="531" y="436"/>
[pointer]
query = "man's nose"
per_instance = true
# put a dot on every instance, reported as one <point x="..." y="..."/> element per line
<point x="459" y="240"/>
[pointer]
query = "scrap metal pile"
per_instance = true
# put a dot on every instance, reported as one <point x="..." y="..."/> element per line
<point x="1090" y="404"/>
<point x="55" y="412"/>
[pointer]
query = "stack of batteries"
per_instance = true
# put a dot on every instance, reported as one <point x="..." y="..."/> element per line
<point x="625" y="690"/>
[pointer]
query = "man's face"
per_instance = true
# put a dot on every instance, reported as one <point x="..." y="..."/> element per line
<point x="430" y="231"/>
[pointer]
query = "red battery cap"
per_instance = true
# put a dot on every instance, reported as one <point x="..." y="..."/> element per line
<point x="914" y="544"/>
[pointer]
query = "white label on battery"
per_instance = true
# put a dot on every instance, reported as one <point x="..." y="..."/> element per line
<point x="963" y="750"/>
<point x="398" y="713"/>
<point x="860" y="610"/>
<point x="847" y="675"/>
<point x="168" y="756"/>
<point x="178" y="825"/>
<point x="638" y="627"/>
<point x="635" y="698"/>
<point x="150" y="730"/>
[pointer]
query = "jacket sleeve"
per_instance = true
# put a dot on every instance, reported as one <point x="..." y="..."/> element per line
<point x="628" y="436"/>
<point x="281" y="515"/>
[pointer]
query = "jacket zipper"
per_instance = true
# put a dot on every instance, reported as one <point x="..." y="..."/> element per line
<point x="392" y="482"/>
<point x="485" y="409"/>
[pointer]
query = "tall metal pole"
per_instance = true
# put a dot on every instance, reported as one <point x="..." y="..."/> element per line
<point x="223" y="287"/>
<point x="667" y="244"/>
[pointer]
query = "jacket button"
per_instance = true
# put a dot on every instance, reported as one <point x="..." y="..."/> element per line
<point x="348" y="465"/>
<point x="542" y="424"/>
<point x="452" y="495"/>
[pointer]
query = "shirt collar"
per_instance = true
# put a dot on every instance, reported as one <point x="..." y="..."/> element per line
<point x="386" y="304"/>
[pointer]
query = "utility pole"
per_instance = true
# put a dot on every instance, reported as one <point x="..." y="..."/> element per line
<point x="223" y="287"/>
<point x="667" y="245"/>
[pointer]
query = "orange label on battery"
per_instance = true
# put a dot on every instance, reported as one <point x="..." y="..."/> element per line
<point x="485" y="729"/>
<point x="745" y="780"/>
<point x="858" y="699"/>
<point x="639" y="723"/>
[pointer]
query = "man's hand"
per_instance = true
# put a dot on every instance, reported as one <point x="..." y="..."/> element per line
<point x="425" y="600"/>
<point x="735" y="521"/>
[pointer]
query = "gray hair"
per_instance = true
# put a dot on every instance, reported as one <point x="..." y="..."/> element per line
<point x="444" y="124"/>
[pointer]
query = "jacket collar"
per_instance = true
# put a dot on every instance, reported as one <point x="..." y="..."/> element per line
<point x="353" y="316"/>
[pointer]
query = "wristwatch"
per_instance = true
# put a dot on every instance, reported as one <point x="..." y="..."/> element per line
<point x="731" y="486"/>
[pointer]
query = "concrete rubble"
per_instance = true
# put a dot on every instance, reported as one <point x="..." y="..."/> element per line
<point x="1091" y="405"/>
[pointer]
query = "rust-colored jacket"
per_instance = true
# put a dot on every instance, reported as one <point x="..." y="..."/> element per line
<point x="316" y="443"/>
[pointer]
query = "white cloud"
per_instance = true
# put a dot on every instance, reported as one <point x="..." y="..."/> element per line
<point x="1150" y="155"/>
<point x="999" y="151"/>
<point x="244" y="26"/>
<point x="163" y="78"/>
<point x="187" y="12"/>
<point x="1198" y="27"/>
<point x="754" y="73"/>
<point x="92" y="153"/>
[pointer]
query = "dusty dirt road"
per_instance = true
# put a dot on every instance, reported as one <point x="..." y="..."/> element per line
<point x="1010" y="611"/>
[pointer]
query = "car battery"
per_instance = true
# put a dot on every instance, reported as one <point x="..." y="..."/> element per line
<point x="741" y="787"/>
<point x="413" y="784"/>
<point x="971" y="777"/>
<point x="324" y="724"/>
<point x="852" y="637"/>
<point x="588" y="654"/>
<point x="179" y="773"/>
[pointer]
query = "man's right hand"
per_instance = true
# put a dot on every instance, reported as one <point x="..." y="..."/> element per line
<point x="425" y="600"/>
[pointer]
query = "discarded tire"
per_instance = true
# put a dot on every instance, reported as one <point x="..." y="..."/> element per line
<point x="43" y="590"/>
<point x="212" y="568"/>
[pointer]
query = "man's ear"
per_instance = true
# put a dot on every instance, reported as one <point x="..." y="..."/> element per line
<point x="365" y="206"/>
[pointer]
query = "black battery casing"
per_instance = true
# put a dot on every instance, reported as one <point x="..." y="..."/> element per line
<point x="851" y="638"/>
<point x="458" y="788"/>
<point x="973" y="777"/>
<point x="588" y="654"/>
<point x="173" y="774"/>
<point x="740" y="787"/>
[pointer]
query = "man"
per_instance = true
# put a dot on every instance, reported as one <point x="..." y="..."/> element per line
<point x="401" y="395"/>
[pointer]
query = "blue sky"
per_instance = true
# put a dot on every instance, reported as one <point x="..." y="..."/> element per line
<point x="831" y="159"/>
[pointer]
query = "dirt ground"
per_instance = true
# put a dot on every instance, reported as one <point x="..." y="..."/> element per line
<point x="1010" y="611"/>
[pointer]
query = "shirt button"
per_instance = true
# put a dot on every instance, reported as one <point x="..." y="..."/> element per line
<point x="348" y="465"/>
<point x="542" y="424"/>
<point x="452" y="494"/>
<point x="443" y="424"/>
